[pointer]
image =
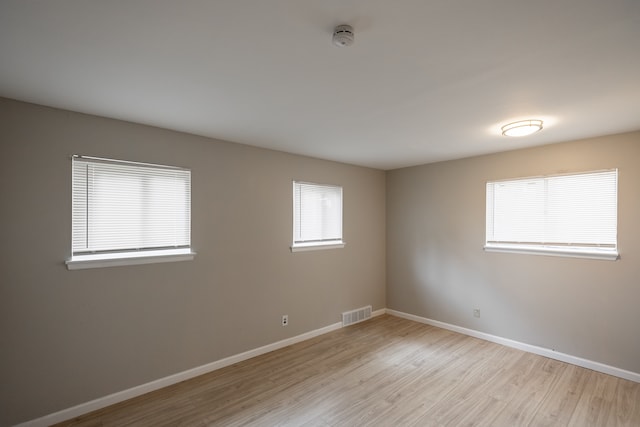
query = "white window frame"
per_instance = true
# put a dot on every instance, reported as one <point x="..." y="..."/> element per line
<point x="300" y="244"/>
<point x="605" y="247"/>
<point x="146" y="251"/>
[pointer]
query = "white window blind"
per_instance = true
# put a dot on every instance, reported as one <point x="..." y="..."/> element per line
<point x="563" y="214"/>
<point x="129" y="207"/>
<point x="317" y="213"/>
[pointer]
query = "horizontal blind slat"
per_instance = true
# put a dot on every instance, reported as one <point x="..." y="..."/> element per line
<point x="317" y="212"/>
<point x="128" y="206"/>
<point x="579" y="209"/>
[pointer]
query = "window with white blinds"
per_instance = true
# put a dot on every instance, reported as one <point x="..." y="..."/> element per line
<point x="566" y="215"/>
<point x="128" y="209"/>
<point x="317" y="215"/>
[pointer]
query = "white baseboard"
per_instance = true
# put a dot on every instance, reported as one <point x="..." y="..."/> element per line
<point x="546" y="352"/>
<point x="378" y="312"/>
<point x="121" y="396"/>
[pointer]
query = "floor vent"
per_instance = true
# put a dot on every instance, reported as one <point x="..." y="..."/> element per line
<point x="355" y="316"/>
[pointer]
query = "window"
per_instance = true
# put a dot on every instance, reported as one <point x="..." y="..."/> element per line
<point x="566" y="215"/>
<point x="129" y="213"/>
<point x="317" y="216"/>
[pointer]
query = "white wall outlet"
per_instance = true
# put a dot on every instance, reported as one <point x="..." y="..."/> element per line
<point x="285" y="320"/>
<point x="476" y="312"/>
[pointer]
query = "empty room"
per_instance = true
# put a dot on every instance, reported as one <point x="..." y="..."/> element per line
<point x="320" y="213"/>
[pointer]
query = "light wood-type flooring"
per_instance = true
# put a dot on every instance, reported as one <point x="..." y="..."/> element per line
<point x="387" y="372"/>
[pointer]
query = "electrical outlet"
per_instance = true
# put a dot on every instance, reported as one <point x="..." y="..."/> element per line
<point x="285" y="320"/>
<point x="476" y="312"/>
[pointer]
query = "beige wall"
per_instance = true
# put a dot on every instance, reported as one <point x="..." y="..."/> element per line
<point x="67" y="337"/>
<point x="436" y="267"/>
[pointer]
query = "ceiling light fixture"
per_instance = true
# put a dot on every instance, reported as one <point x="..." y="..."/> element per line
<point x="522" y="128"/>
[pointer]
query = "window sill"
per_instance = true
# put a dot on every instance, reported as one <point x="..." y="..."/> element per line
<point x="589" y="253"/>
<point x="80" y="262"/>
<point x="316" y="246"/>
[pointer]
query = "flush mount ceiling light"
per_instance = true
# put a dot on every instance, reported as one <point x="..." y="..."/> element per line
<point x="522" y="128"/>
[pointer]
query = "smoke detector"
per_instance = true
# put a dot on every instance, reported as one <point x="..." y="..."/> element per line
<point x="343" y="35"/>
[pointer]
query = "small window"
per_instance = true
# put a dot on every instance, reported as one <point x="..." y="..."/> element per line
<point x="565" y="215"/>
<point x="317" y="216"/>
<point x="129" y="213"/>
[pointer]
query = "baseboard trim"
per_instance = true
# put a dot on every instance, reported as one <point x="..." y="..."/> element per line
<point x="378" y="312"/>
<point x="541" y="351"/>
<point x="121" y="396"/>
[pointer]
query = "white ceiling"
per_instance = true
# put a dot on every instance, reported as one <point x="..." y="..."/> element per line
<point x="425" y="80"/>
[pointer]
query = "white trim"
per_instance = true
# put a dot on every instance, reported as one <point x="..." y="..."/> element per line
<point x="316" y="246"/>
<point x="380" y="312"/>
<point x="127" y="162"/>
<point x="571" y="252"/>
<point x="121" y="396"/>
<point x="541" y="351"/>
<point x="79" y="262"/>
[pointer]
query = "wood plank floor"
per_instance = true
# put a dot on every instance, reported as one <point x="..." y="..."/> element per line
<point x="386" y="372"/>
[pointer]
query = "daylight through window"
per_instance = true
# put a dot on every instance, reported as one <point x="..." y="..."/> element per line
<point x="127" y="209"/>
<point x="317" y="216"/>
<point x="567" y="215"/>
